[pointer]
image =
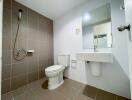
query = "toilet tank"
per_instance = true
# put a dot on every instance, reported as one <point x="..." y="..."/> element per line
<point x="64" y="59"/>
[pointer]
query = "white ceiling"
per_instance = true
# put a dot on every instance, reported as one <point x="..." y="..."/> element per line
<point x="52" y="8"/>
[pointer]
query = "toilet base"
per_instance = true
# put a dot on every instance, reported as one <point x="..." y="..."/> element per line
<point x="56" y="81"/>
<point x="55" y="86"/>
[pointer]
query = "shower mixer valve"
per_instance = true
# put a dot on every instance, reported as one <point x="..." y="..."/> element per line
<point x="20" y="52"/>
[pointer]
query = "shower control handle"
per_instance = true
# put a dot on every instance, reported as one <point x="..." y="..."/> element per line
<point x="126" y="27"/>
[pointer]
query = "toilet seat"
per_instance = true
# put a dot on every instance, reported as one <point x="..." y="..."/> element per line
<point x="55" y="76"/>
<point x="54" y="68"/>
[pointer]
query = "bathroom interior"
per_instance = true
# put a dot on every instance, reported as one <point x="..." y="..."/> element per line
<point x="65" y="50"/>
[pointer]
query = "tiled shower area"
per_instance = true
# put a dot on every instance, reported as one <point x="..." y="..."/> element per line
<point x="36" y="33"/>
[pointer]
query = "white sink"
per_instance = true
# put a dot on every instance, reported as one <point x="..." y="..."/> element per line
<point x="105" y="57"/>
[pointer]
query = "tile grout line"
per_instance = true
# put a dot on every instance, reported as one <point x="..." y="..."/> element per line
<point x="96" y="95"/>
<point x="11" y="45"/>
<point x="38" y="52"/>
<point x="116" y="97"/>
<point x="26" y="48"/>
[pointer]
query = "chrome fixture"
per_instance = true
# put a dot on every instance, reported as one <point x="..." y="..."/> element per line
<point x="122" y="7"/>
<point x="124" y="27"/>
<point x="95" y="48"/>
<point x="20" y="14"/>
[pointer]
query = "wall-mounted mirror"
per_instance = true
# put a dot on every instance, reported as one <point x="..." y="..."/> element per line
<point x="96" y="27"/>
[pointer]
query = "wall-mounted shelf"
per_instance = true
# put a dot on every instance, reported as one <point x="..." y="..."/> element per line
<point x="30" y="52"/>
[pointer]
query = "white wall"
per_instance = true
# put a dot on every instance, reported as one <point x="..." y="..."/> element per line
<point x="114" y="76"/>
<point x="1" y="9"/>
<point x="128" y="10"/>
<point x="120" y="49"/>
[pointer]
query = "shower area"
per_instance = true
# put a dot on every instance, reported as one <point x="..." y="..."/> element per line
<point x="27" y="45"/>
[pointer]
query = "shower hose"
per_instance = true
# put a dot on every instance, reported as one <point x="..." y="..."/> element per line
<point x="18" y="54"/>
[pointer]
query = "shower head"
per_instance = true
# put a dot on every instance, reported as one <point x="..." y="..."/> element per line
<point x="20" y="14"/>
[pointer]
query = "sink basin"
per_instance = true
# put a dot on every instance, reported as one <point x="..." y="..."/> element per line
<point x="105" y="57"/>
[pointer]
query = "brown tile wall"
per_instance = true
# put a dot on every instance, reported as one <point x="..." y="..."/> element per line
<point x="36" y="33"/>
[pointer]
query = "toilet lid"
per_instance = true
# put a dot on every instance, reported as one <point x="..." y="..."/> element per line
<point x="54" y="68"/>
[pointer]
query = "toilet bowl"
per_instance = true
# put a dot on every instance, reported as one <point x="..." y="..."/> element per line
<point x="55" y="73"/>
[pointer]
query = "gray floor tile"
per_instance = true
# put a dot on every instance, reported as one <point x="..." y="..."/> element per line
<point x="70" y="90"/>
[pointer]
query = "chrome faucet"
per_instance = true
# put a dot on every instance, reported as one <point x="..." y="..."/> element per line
<point x="95" y="48"/>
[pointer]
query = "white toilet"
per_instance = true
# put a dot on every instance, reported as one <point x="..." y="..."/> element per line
<point x="55" y="73"/>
